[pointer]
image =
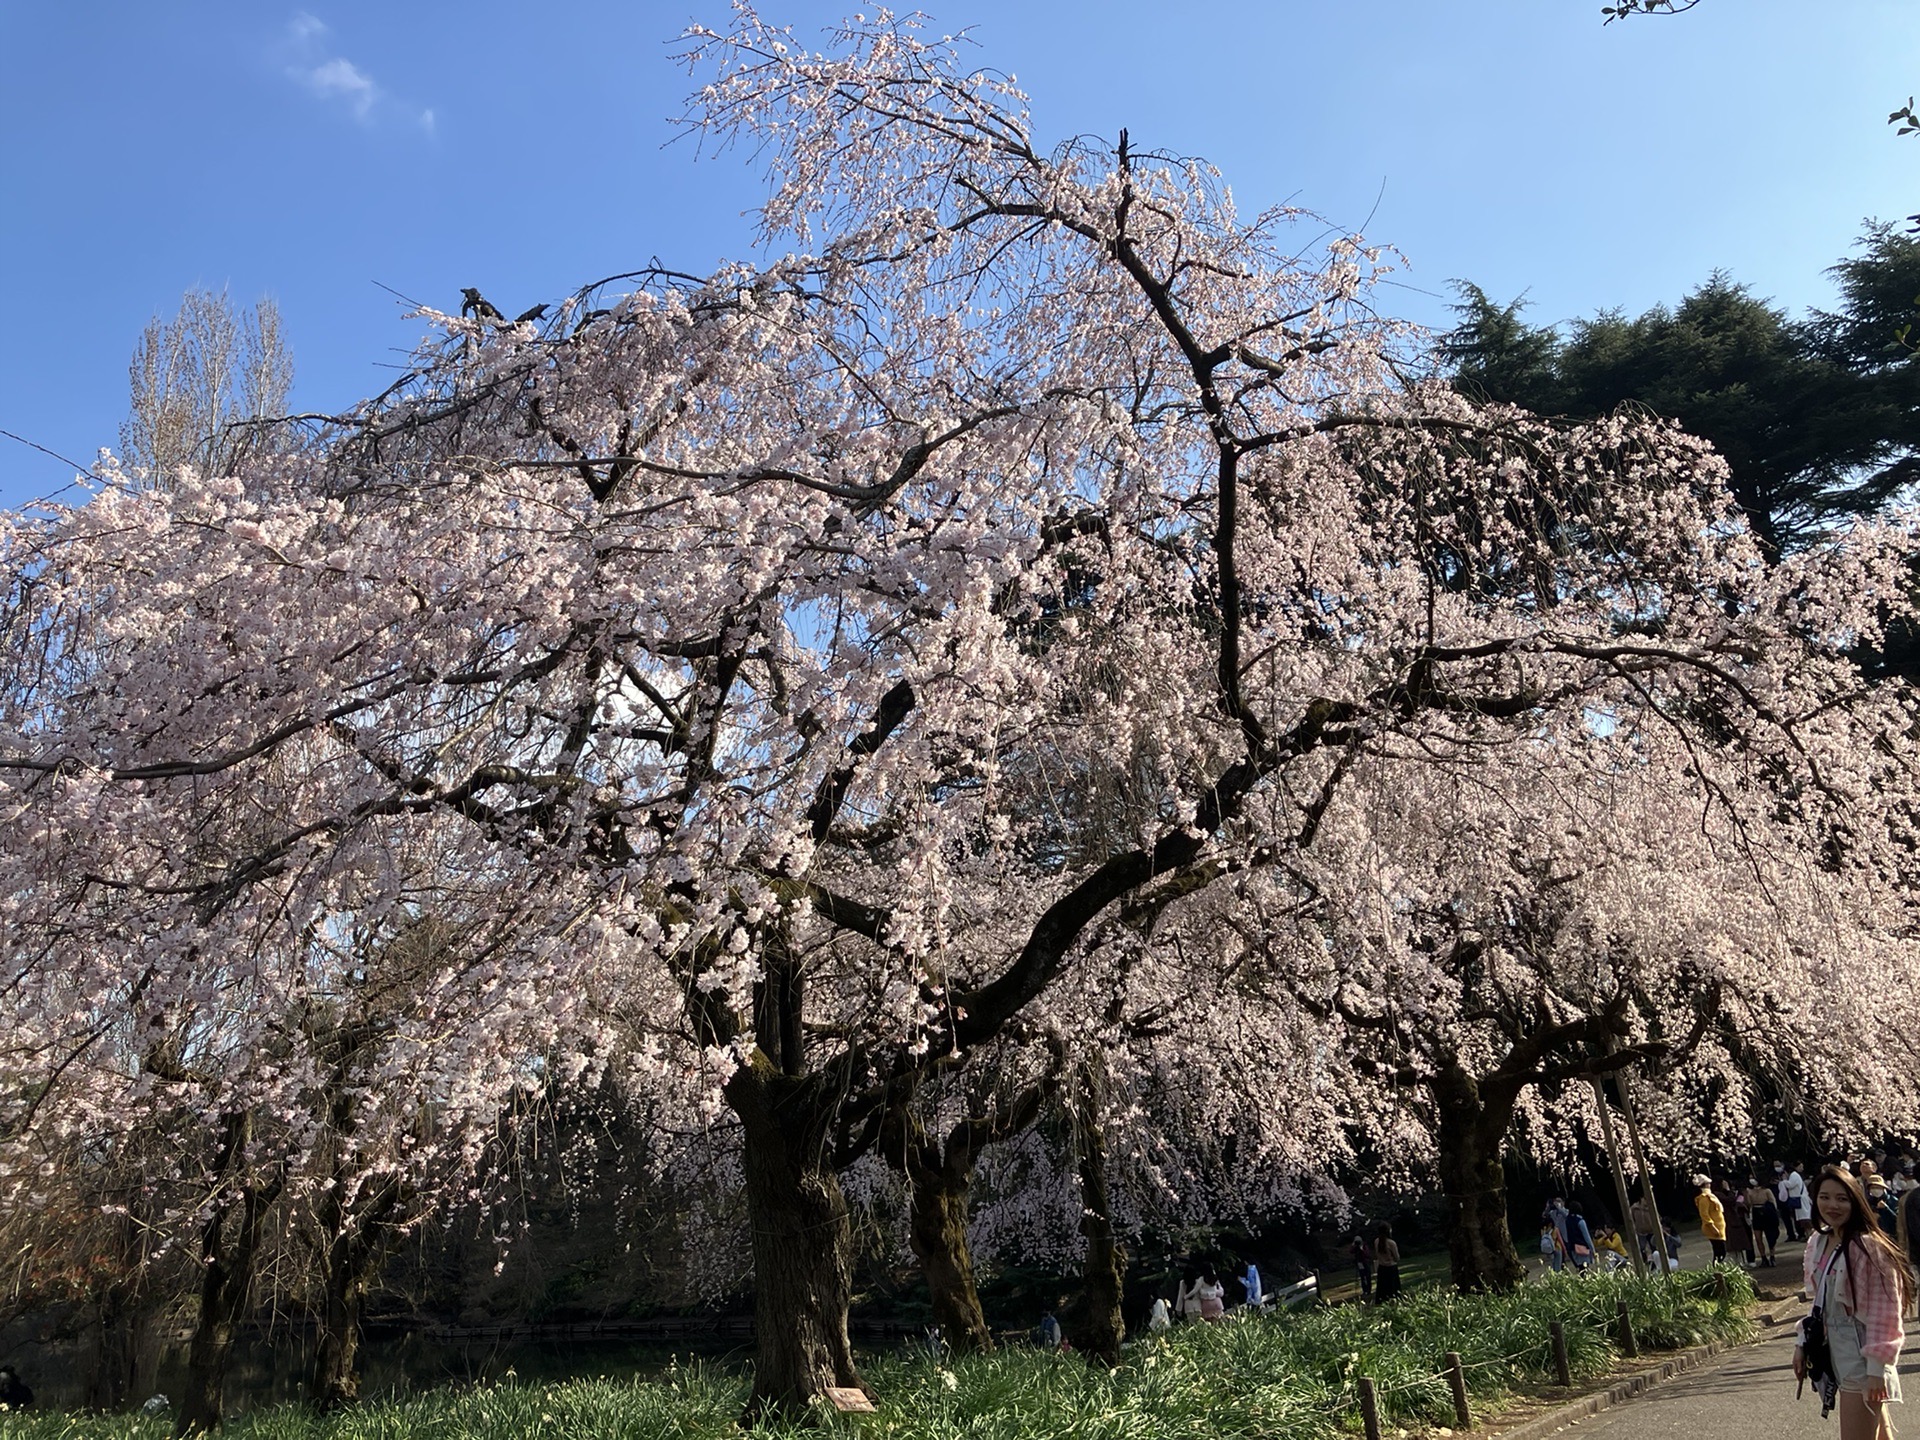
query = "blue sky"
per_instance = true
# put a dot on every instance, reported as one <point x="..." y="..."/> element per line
<point x="309" y="151"/>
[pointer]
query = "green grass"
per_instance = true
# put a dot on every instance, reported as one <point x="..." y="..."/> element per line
<point x="1290" y="1377"/>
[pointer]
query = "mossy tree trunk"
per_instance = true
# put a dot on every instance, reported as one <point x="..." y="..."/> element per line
<point x="802" y="1240"/>
<point x="1474" y="1116"/>
<point x="940" y="1177"/>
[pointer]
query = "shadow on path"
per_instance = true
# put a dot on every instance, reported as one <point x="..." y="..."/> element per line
<point x="1746" y="1394"/>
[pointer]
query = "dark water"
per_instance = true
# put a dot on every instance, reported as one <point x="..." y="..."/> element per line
<point x="271" y="1369"/>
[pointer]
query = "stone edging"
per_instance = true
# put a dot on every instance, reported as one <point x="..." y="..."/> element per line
<point x="1629" y="1388"/>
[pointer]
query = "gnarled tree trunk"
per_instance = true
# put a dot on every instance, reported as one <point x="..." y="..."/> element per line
<point x="802" y="1238"/>
<point x="229" y="1246"/>
<point x="937" y="1230"/>
<point x="1104" y="1325"/>
<point x="353" y="1246"/>
<point x="940" y="1177"/>
<point x="1474" y="1115"/>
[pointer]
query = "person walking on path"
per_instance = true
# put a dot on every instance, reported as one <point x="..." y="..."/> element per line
<point x="1579" y="1238"/>
<point x="1902" y="1179"/>
<point x="1763" y="1214"/>
<point x="1386" y="1264"/>
<point x="1555" y="1216"/>
<point x="1713" y="1216"/>
<point x="1791" y="1189"/>
<point x="1859" y="1283"/>
<point x="1739" y="1221"/>
<point x="1880" y="1198"/>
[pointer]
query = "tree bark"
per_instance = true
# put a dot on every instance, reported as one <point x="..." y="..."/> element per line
<point x="227" y="1255"/>
<point x="114" y="1376"/>
<point x="352" y="1247"/>
<point x="940" y="1179"/>
<point x="802" y="1239"/>
<point x="122" y="1320"/>
<point x="1474" y="1115"/>
<point x="937" y="1230"/>
<point x="336" y="1352"/>
<point x="1104" y="1325"/>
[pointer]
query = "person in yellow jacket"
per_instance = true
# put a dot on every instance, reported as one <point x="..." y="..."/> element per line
<point x="1713" y="1216"/>
<point x="1610" y="1249"/>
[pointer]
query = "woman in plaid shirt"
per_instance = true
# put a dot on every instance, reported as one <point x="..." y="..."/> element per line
<point x="1859" y="1282"/>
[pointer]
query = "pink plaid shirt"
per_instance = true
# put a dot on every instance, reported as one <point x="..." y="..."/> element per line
<point x="1873" y="1298"/>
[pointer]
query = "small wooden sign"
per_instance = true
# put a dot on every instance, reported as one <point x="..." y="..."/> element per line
<point x="847" y="1400"/>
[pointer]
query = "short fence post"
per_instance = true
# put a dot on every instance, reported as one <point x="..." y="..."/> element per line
<point x="1563" y="1372"/>
<point x="1457" y="1378"/>
<point x="1629" y="1346"/>
<point x="1369" y="1408"/>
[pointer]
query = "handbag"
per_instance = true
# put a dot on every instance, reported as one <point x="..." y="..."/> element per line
<point x="1819" y="1357"/>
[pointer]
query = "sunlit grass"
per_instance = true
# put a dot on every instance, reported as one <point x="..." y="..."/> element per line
<point x="1290" y="1377"/>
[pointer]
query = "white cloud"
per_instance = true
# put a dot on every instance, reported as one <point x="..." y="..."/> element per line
<point x="346" y="80"/>
<point x="331" y="77"/>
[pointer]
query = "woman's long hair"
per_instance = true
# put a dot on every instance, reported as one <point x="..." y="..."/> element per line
<point x="1864" y="1226"/>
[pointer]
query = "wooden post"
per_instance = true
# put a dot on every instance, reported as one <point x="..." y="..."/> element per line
<point x="1562" y="1370"/>
<point x="1369" y="1408"/>
<point x="1619" y="1162"/>
<point x="1629" y="1346"/>
<point x="1646" y="1178"/>
<point x="1457" y="1379"/>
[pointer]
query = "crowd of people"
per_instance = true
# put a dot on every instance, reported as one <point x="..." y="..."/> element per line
<point x="1744" y="1222"/>
<point x="1860" y="1269"/>
<point x="1753" y="1218"/>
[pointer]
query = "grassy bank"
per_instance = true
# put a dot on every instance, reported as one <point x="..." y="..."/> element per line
<point x="1287" y="1378"/>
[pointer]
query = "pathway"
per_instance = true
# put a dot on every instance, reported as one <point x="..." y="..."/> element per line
<point x="1746" y="1394"/>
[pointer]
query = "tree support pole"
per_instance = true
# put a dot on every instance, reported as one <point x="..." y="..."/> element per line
<point x="1646" y="1176"/>
<point x="1615" y="1159"/>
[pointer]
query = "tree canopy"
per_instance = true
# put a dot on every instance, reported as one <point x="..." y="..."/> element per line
<point x="1818" y="419"/>
<point x="810" y="676"/>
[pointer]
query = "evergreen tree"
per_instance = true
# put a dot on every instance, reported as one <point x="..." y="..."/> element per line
<point x="1819" y="419"/>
